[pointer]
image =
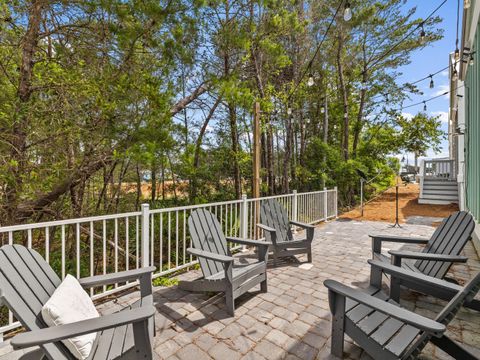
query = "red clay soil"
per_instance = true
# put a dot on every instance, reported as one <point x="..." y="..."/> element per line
<point x="383" y="207"/>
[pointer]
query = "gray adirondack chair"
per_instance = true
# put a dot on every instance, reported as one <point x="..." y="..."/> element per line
<point x="440" y="252"/>
<point x="278" y="231"/>
<point x="440" y="289"/>
<point x="385" y="330"/>
<point x="27" y="282"/>
<point x="220" y="273"/>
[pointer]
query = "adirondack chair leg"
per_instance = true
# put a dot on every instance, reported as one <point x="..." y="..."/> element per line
<point x="143" y="343"/>
<point x="230" y="301"/>
<point x="375" y="277"/>
<point x="452" y="348"/>
<point x="275" y="258"/>
<point x="394" y="289"/>
<point x="263" y="285"/>
<point x="337" y="306"/>
<point x="309" y="254"/>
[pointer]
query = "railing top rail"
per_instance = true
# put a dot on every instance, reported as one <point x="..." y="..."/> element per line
<point x="439" y="160"/>
<point x="196" y="206"/>
<point x="4" y="229"/>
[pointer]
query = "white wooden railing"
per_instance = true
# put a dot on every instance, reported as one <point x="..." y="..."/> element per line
<point x="439" y="169"/>
<point x="111" y="243"/>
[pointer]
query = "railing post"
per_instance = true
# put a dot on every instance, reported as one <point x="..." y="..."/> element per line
<point x="145" y="239"/>
<point x="325" y="203"/>
<point x="335" y="203"/>
<point x="244" y="218"/>
<point x="295" y="206"/>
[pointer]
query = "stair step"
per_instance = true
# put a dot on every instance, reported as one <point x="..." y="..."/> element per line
<point x="440" y="197"/>
<point x="439" y="182"/>
<point x="440" y="193"/>
<point x="437" y="202"/>
<point x="436" y="187"/>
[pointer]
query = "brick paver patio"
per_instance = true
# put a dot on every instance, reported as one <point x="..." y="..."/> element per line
<point x="292" y="320"/>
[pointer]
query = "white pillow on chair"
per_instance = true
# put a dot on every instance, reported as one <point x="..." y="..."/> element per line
<point x="70" y="303"/>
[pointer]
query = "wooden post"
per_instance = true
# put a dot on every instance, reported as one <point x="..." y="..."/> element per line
<point x="256" y="150"/>
<point x="256" y="164"/>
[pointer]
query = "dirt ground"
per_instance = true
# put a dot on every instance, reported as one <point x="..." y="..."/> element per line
<point x="383" y="207"/>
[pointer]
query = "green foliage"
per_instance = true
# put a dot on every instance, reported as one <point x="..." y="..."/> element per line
<point x="164" y="281"/>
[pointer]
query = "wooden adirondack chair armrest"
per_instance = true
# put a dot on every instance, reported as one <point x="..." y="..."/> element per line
<point x="404" y="274"/>
<point x="406" y="316"/>
<point x="267" y="228"/>
<point x="61" y="332"/>
<point x="249" y="242"/>
<point x="397" y="255"/>
<point x="399" y="239"/>
<point x="271" y="231"/>
<point x="309" y="228"/>
<point x="302" y="225"/>
<point x="210" y="255"/>
<point x="118" y="277"/>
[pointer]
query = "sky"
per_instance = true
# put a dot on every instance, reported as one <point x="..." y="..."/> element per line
<point x="430" y="60"/>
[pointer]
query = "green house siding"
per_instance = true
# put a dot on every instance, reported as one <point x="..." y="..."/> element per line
<point x="472" y="140"/>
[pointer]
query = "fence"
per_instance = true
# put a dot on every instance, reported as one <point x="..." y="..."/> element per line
<point x="112" y="243"/>
<point x="439" y="169"/>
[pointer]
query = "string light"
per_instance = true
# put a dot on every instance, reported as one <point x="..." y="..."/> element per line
<point x="347" y="12"/>
<point x="457" y="54"/>
<point x="424" y="106"/>
<point x="422" y="34"/>
<point x="289" y="111"/>
<point x="310" y="81"/>
<point x="432" y="85"/>
<point x="471" y="60"/>
<point x="455" y="75"/>
<point x="466" y="4"/>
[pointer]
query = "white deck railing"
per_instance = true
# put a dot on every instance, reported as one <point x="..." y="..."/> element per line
<point x="111" y="243"/>
<point x="443" y="169"/>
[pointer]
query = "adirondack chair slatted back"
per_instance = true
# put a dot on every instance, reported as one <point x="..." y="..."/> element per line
<point x="274" y="215"/>
<point x="447" y="314"/>
<point x="26" y="283"/>
<point x="448" y="239"/>
<point x="207" y="235"/>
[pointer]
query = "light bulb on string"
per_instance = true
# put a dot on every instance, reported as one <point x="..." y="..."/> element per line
<point x="457" y="54"/>
<point x="363" y="86"/>
<point x="423" y="35"/>
<point x="432" y="85"/>
<point x="322" y="109"/>
<point x="466" y="4"/>
<point x="455" y="75"/>
<point x="289" y="111"/>
<point x="471" y="61"/>
<point x="347" y="12"/>
<point x="424" y="106"/>
<point x="310" y="81"/>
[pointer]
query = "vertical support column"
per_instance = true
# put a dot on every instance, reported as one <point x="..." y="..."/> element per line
<point x="244" y="218"/>
<point x="295" y="206"/>
<point x="256" y="150"/>
<point x="325" y="203"/>
<point x="145" y="238"/>
<point x="335" y="203"/>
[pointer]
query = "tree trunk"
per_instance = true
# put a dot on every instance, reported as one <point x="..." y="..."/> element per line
<point x="344" y="94"/>
<point x="18" y="134"/>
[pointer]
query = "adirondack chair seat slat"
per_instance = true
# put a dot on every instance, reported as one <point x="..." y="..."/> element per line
<point x="388" y="331"/>
<point x="239" y="270"/>
<point x="117" y="342"/>
<point x="278" y="231"/>
<point x="27" y="282"/>
<point x="220" y="270"/>
<point x="448" y="241"/>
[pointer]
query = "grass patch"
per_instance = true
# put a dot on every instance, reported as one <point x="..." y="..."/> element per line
<point x="164" y="281"/>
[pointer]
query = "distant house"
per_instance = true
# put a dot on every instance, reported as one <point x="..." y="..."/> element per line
<point x="464" y="115"/>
